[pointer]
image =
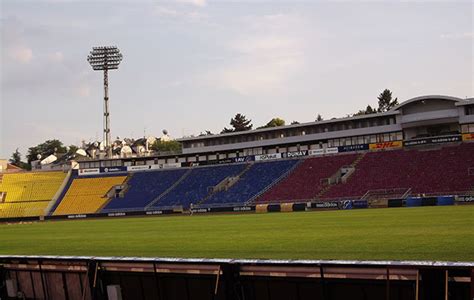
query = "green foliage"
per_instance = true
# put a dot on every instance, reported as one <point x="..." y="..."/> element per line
<point x="367" y="111"/>
<point x="45" y="149"/>
<point x="239" y="123"/>
<point x="423" y="233"/>
<point x="275" y="122"/>
<point x="16" y="158"/>
<point x="16" y="161"/>
<point x="207" y="132"/>
<point x="169" y="146"/>
<point x="319" y="118"/>
<point x="385" y="103"/>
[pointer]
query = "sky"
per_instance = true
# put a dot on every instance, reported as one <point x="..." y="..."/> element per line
<point x="190" y="65"/>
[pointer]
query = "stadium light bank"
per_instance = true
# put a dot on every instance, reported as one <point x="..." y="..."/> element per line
<point x="105" y="58"/>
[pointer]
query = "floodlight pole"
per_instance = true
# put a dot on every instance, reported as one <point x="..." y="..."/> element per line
<point x="105" y="59"/>
<point x="107" y="139"/>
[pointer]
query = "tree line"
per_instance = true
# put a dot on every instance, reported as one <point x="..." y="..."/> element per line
<point x="240" y="122"/>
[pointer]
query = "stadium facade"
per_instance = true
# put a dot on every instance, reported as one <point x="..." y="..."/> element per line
<point x="433" y="119"/>
<point x="376" y="160"/>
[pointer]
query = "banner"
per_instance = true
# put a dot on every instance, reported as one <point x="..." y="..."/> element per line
<point x="353" y="148"/>
<point x="295" y="154"/>
<point x="346" y="204"/>
<point x="360" y="204"/>
<point x="85" y="172"/>
<point x="268" y="156"/>
<point x="468" y="137"/>
<point x="170" y="166"/>
<point x="465" y="198"/>
<point x="243" y="159"/>
<point x="139" y="168"/>
<point x="386" y="145"/>
<point x="333" y="150"/>
<point x="113" y="169"/>
<point x="436" y="140"/>
<point x="316" y="152"/>
<point x="324" y="205"/>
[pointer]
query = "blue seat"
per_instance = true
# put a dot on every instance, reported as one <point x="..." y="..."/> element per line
<point x="196" y="186"/>
<point x="252" y="182"/>
<point x="144" y="187"/>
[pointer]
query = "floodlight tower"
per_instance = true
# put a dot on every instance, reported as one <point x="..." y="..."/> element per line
<point x="105" y="59"/>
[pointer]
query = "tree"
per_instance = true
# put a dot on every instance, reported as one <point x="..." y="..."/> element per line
<point x="16" y="161"/>
<point x="166" y="146"/>
<point x="294" y="123"/>
<point x="369" y="110"/>
<point x="45" y="149"/>
<point x="275" y="122"/>
<point x="207" y="132"/>
<point x="319" y="118"/>
<point x="240" y="123"/>
<point x="16" y="158"/>
<point x="385" y="101"/>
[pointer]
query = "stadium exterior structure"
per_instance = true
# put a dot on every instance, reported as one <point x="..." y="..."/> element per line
<point x="433" y="119"/>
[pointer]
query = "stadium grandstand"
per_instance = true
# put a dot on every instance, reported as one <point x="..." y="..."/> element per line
<point x="26" y="194"/>
<point x="421" y="148"/>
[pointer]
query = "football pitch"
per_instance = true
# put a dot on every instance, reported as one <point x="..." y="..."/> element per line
<point x="423" y="233"/>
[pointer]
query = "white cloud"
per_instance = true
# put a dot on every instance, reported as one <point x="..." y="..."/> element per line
<point x="21" y="54"/>
<point x="181" y="14"/>
<point x="200" y="3"/>
<point x="56" y="57"/>
<point x="267" y="55"/>
<point x="457" y="36"/>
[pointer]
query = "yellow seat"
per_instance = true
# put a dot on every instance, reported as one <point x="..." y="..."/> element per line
<point x="31" y="186"/>
<point x="22" y="209"/>
<point x="87" y="195"/>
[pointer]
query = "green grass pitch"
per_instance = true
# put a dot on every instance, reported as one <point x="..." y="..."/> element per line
<point x="424" y="233"/>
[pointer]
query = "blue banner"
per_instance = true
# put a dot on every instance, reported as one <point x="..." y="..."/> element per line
<point x="113" y="169"/>
<point x="353" y="148"/>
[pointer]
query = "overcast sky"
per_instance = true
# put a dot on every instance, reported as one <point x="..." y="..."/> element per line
<point x="190" y="65"/>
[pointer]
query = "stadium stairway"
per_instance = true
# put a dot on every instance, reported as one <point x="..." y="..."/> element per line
<point x="213" y="192"/>
<point x="433" y="171"/>
<point x="272" y="184"/>
<point x="172" y="187"/>
<point x="197" y="184"/>
<point x="58" y="196"/>
<point x="344" y="178"/>
<point x="87" y="195"/>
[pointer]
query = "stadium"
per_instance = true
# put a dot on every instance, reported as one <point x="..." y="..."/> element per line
<point x="236" y="150"/>
<point x="365" y="207"/>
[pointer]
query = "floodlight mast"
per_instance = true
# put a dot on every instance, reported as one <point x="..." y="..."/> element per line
<point x="105" y="58"/>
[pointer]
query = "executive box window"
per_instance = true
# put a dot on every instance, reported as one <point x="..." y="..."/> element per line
<point x="470" y="110"/>
<point x="467" y="128"/>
